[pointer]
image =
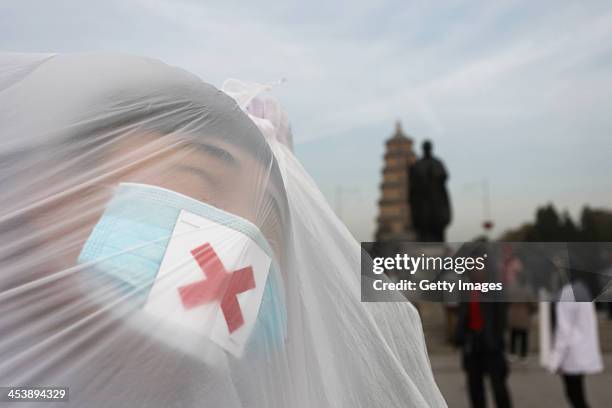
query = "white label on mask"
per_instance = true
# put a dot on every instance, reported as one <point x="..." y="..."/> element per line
<point x="211" y="281"/>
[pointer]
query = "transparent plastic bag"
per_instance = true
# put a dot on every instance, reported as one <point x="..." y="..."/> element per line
<point x="162" y="246"/>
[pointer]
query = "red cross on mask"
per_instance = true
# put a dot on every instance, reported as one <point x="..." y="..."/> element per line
<point x="220" y="285"/>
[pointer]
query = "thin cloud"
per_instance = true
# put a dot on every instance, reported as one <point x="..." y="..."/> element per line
<point x="508" y="90"/>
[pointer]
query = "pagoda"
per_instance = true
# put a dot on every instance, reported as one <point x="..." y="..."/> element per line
<point x="394" y="220"/>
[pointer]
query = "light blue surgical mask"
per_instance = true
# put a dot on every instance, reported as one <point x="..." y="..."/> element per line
<point x="129" y="241"/>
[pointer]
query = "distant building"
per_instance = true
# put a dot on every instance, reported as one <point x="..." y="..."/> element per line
<point x="394" y="220"/>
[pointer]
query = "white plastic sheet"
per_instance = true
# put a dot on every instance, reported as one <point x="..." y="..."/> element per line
<point x="107" y="163"/>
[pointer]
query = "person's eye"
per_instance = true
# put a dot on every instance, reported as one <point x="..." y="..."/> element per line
<point x="220" y="153"/>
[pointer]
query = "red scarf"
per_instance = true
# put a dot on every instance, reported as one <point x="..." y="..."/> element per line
<point x="475" y="321"/>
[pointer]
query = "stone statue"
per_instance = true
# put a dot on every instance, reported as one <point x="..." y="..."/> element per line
<point x="429" y="200"/>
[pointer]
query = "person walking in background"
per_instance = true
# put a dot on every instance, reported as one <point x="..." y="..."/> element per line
<point x="480" y="334"/>
<point x="576" y="350"/>
<point x="451" y="302"/>
<point x="519" y="320"/>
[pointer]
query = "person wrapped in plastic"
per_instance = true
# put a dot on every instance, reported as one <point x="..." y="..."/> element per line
<point x="162" y="246"/>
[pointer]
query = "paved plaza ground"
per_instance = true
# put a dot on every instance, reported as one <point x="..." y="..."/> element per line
<point x="530" y="385"/>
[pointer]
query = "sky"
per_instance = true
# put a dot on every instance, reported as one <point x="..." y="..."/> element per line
<point x="514" y="94"/>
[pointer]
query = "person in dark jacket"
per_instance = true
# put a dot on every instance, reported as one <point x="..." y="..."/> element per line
<point x="480" y="334"/>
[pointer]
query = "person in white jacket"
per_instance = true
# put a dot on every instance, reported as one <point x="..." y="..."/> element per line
<point x="576" y="349"/>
